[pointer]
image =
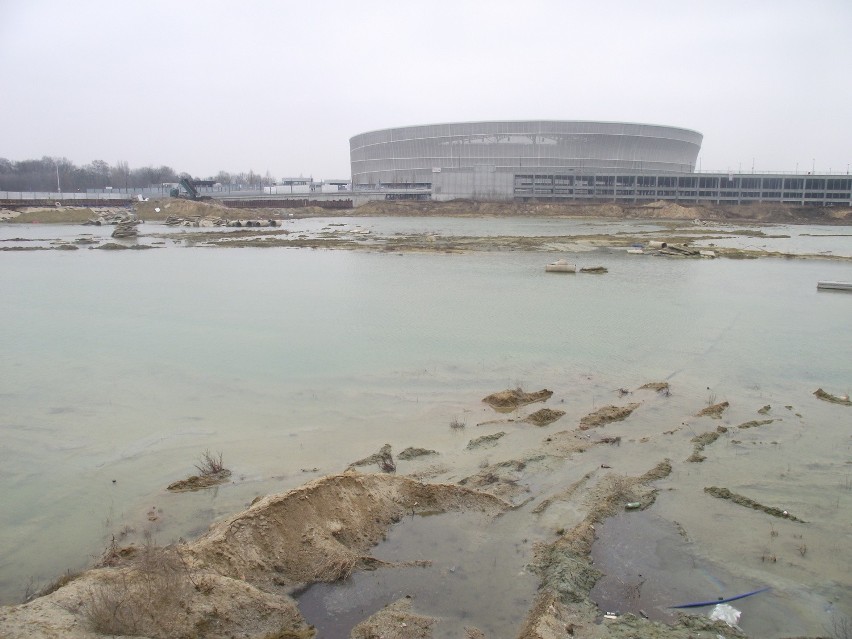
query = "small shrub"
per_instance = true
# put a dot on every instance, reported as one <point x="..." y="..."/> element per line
<point x="457" y="423"/>
<point x="111" y="612"/>
<point x="144" y="599"/>
<point x="210" y="464"/>
<point x="386" y="463"/>
<point x="66" y="578"/>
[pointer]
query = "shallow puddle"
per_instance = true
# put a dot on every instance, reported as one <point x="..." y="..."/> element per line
<point x="476" y="577"/>
<point x="649" y="567"/>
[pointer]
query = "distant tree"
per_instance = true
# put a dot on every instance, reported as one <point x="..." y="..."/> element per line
<point x="119" y="175"/>
<point x="7" y="175"/>
<point x="101" y="170"/>
<point x="41" y="175"/>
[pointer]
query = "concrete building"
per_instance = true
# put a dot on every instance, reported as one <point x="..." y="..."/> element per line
<point x="564" y="160"/>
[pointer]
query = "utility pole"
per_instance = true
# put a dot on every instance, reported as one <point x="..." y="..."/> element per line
<point x="58" y="186"/>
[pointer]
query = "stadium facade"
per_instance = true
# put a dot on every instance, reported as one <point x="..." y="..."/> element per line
<point x="565" y="160"/>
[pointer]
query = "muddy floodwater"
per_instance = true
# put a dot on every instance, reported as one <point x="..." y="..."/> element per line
<point x="119" y="368"/>
<point x="464" y="554"/>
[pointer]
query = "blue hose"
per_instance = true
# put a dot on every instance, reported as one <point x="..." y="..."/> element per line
<point x="699" y="604"/>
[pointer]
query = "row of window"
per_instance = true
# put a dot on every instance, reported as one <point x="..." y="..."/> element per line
<point x="652" y="194"/>
<point x="745" y="184"/>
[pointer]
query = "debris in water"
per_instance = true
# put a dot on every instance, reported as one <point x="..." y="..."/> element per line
<point x="835" y="399"/>
<point x="701" y="604"/>
<point x="726" y="613"/>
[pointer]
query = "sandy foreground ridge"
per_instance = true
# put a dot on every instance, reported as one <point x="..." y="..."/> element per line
<point x="239" y="579"/>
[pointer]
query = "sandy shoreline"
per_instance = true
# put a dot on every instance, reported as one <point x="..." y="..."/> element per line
<point x="684" y="235"/>
<point x="160" y="210"/>
<point x="241" y="577"/>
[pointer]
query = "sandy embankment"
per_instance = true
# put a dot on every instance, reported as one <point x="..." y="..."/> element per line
<point x="683" y="239"/>
<point x="760" y="213"/>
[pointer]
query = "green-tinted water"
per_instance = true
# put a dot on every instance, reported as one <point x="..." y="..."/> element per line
<point x="127" y="365"/>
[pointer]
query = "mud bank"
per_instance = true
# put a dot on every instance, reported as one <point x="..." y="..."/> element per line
<point x="159" y="210"/>
<point x="775" y="213"/>
<point x="690" y="239"/>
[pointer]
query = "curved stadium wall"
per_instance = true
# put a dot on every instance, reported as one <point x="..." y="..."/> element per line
<point x="408" y="156"/>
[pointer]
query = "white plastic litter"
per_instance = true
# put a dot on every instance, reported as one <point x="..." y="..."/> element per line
<point x="726" y="613"/>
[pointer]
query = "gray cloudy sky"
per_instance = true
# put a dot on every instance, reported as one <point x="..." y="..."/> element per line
<point x="281" y="86"/>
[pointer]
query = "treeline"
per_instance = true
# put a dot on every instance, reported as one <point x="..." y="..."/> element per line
<point x="52" y="174"/>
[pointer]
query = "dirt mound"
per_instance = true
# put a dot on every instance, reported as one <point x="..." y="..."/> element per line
<point x="236" y="579"/>
<point x="606" y="415"/>
<point x="181" y="208"/>
<point x="383" y="459"/>
<point x="714" y="410"/>
<point x="544" y="416"/>
<point x="701" y="441"/>
<point x="760" y="212"/>
<point x="656" y="386"/>
<point x="499" y="479"/>
<point x="828" y="397"/>
<point x="508" y="400"/>
<point x="486" y="441"/>
<point x="755" y="422"/>
<point x="155" y="595"/>
<point x="724" y="493"/>
<point x="668" y="211"/>
<point x="58" y="215"/>
<point x="413" y="453"/>
<point x="395" y="621"/>
<point x="320" y="531"/>
<point x="197" y="482"/>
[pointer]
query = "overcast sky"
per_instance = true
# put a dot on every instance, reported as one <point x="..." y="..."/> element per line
<point x="281" y="86"/>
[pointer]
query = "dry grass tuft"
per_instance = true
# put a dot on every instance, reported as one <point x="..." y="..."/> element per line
<point x="149" y="599"/>
<point x="210" y="464"/>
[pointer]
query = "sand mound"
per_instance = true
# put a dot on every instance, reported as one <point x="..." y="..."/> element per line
<point x="198" y="482"/>
<point x="670" y="211"/>
<point x="656" y="386"/>
<point x="236" y="580"/>
<point x="714" y="410"/>
<point x="544" y="416"/>
<point x="180" y="208"/>
<point x="508" y="400"/>
<point x="395" y="621"/>
<point x="319" y="532"/>
<point x="606" y="415"/>
<point x="763" y="212"/>
<point x="828" y="397"/>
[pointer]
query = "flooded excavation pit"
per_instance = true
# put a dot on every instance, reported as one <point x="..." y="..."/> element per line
<point x="461" y="570"/>
<point x="649" y="567"/>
